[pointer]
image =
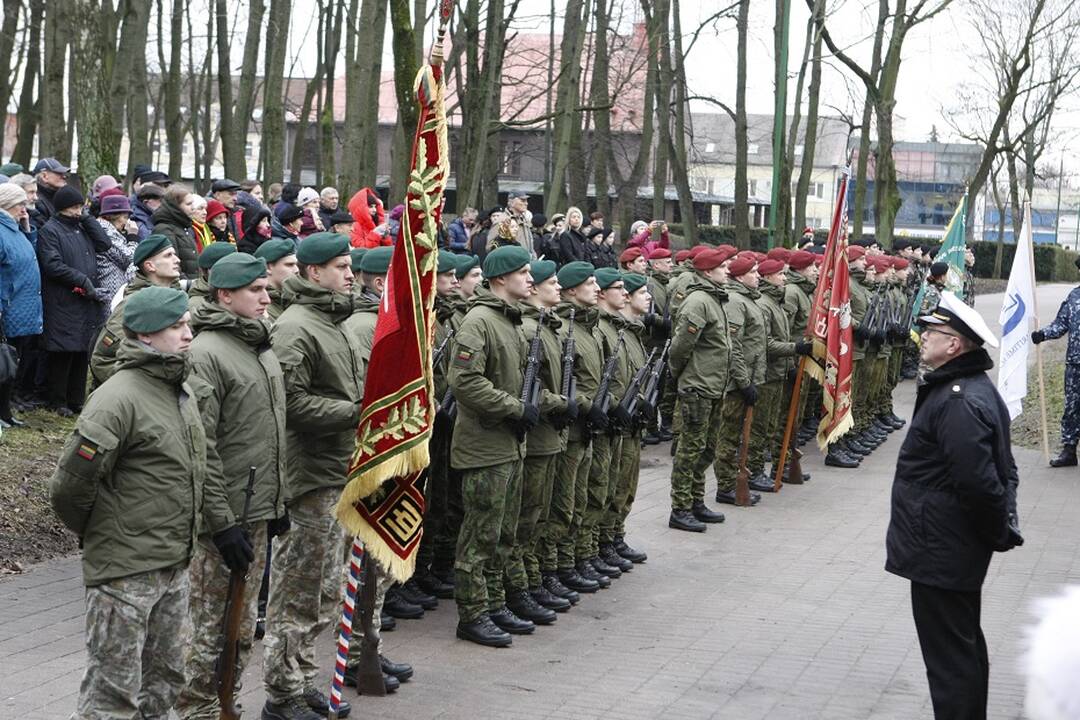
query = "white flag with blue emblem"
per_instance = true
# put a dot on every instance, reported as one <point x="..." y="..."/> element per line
<point x="1017" y="316"/>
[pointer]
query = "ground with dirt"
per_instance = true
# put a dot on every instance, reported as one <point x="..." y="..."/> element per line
<point x="29" y="530"/>
<point x="1026" y="429"/>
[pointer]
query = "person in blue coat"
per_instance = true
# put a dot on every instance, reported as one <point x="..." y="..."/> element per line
<point x="1067" y="321"/>
<point x="20" y="289"/>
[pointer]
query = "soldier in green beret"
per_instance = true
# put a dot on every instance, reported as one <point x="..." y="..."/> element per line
<point x="241" y="393"/>
<point x="323" y="384"/>
<point x="156" y="264"/>
<point x="569" y="495"/>
<point x="525" y="595"/>
<point x="373" y="268"/>
<point x="281" y="264"/>
<point x="200" y="288"/>
<point x="133" y="497"/>
<point x="488" y="445"/>
<point x="469" y="275"/>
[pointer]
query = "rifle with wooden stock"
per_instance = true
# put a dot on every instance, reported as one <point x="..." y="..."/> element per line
<point x="225" y="669"/>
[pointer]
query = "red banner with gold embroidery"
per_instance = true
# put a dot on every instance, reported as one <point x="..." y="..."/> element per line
<point x="830" y="328"/>
<point x="383" y="503"/>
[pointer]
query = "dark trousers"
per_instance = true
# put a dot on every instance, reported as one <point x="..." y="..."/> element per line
<point x="67" y="378"/>
<point x="953" y="649"/>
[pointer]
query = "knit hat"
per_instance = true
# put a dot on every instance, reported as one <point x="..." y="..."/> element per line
<point x="541" y="270"/>
<point x="105" y="182"/>
<point x="376" y="261"/>
<point x="465" y="263"/>
<point x="357" y="255"/>
<point x="938" y="269"/>
<point x="114" y="205"/>
<point x="629" y="255"/>
<point x="800" y="259"/>
<point x="447" y="262"/>
<point x="66" y="197"/>
<point x="854" y="252"/>
<point x="742" y="264"/>
<point x="288" y="213"/>
<point x="637" y="227"/>
<point x="321" y="248"/>
<point x="11" y="195"/>
<point x="659" y="254"/>
<point x="340" y="217"/>
<point x="397" y="212"/>
<point x="11" y="169"/>
<point x="705" y="261"/>
<point x="633" y="282"/>
<point x="504" y="260"/>
<point x="150" y="246"/>
<point x="306" y="195"/>
<point x="770" y="266"/>
<point x="236" y="271"/>
<point x="154" y="308"/>
<point x="573" y="274"/>
<point x="539" y="220"/>
<point x="214" y="252"/>
<point x="606" y="277"/>
<point x="214" y="208"/>
<point x="274" y="249"/>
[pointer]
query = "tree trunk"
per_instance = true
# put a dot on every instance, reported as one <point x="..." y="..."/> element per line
<point x="29" y="114"/>
<point x="781" y="214"/>
<point x="867" y="117"/>
<point x="662" y="17"/>
<point x="810" y="138"/>
<point x="742" y="207"/>
<point x="363" y="67"/>
<point x="12" y="9"/>
<point x="566" y="99"/>
<point x="138" y="96"/>
<point x="999" y="203"/>
<point x="786" y="232"/>
<point x="627" y="188"/>
<point x="273" y="129"/>
<point x="174" y="121"/>
<point x="679" y="161"/>
<point x="328" y="141"/>
<point x="227" y="128"/>
<point x="405" y="68"/>
<point x="55" y="141"/>
<point x="601" y="95"/>
<point x="234" y="144"/>
<point x="92" y="54"/>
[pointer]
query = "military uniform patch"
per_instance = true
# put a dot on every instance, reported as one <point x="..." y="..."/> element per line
<point x="692" y="329"/>
<point x="87" y="450"/>
<point x="463" y="357"/>
<point x="108" y="340"/>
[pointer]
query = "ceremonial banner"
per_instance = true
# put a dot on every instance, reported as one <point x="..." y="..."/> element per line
<point x="830" y="328"/>
<point x="382" y="503"/>
<point x="953" y="245"/>
<point x="1017" y="315"/>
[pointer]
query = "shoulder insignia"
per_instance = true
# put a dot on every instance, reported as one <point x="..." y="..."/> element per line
<point x="692" y="329"/>
<point x="680" y="295"/>
<point x="87" y="450"/>
<point x="107" y="340"/>
<point x="464" y="355"/>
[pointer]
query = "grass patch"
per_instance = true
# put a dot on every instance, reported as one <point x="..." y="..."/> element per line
<point x="1026" y="429"/>
<point x="29" y="529"/>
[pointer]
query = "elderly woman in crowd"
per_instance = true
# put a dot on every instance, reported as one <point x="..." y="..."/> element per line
<point x="114" y="265"/>
<point x="202" y="233"/>
<point x="20" y="292"/>
<point x="310" y="222"/>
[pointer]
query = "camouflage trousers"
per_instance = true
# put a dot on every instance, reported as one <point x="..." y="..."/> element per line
<point x="613" y="524"/>
<point x="666" y="407"/>
<point x="1070" y="417"/>
<point x="569" y="495"/>
<point x="860" y="392"/>
<point x="305" y="594"/>
<point x="880" y="388"/>
<point x="767" y="411"/>
<point x="602" y="471"/>
<point x="777" y="436"/>
<point x="700" y="417"/>
<point x="383" y="581"/>
<point x="436" y="495"/>
<point x="726" y="467"/>
<point x="492" y="499"/>
<point x="209" y="594"/>
<point x="136" y="630"/>
<point x="537" y="484"/>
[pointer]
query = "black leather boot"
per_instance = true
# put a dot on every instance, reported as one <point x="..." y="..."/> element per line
<point x="551" y="583"/>
<point x="544" y="598"/>
<point x="577" y="582"/>
<point x="604" y="569"/>
<point x="484" y="632"/>
<point x="1066" y="458"/>
<point x="522" y="604"/>
<point x="612" y="558"/>
<point x="685" y="520"/>
<point x="635" y="556"/>
<point x="511" y="623"/>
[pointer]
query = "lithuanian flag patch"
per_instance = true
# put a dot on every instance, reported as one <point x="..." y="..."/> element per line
<point x="87" y="451"/>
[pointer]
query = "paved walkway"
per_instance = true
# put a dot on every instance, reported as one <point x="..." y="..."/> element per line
<point x="782" y="612"/>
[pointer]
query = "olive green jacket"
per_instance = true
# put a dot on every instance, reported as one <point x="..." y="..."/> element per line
<point x="444" y="313"/>
<point x="658" y="288"/>
<point x="679" y="287"/>
<point x="323" y="385"/>
<point x="749" y="341"/>
<point x="860" y="303"/>
<point x="779" y="350"/>
<point x="238" y="382"/>
<point x="701" y="350"/>
<point x="486" y="373"/>
<point x="588" y="360"/>
<point x="635" y="352"/>
<point x="198" y="294"/>
<point x="798" y="301"/>
<point x="610" y="327"/>
<point x="360" y="326"/>
<point x="277" y="304"/>
<point x="103" y="358"/>
<point x="544" y="439"/>
<point x="129" y="480"/>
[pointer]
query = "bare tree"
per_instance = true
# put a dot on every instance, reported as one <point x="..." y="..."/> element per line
<point x="566" y="102"/>
<point x="29" y="113"/>
<point x="810" y="137"/>
<point x="273" y="126"/>
<point x="742" y="205"/>
<point x="55" y="137"/>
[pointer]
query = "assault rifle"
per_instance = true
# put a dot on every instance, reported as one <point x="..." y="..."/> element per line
<point x="437" y="356"/>
<point x="226" y="666"/>
<point x="630" y="398"/>
<point x="603" y="392"/>
<point x="656" y="382"/>
<point x="530" y="388"/>
<point x="448" y="406"/>
<point x="569" y="382"/>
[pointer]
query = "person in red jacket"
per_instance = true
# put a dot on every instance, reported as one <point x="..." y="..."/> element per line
<point x="367" y="210"/>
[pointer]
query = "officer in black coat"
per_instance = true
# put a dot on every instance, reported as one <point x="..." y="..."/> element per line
<point x="953" y="505"/>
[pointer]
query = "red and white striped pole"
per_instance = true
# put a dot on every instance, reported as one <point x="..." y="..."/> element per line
<point x="345" y="628"/>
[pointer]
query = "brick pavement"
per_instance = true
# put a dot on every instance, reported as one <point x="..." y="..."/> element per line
<point x="783" y="612"/>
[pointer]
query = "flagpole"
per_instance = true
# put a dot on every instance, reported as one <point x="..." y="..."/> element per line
<point x="1038" y="348"/>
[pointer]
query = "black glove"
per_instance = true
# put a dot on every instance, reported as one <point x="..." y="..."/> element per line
<point x="879" y="337"/>
<point x="621" y="417"/>
<point x="1038" y="336"/>
<point x="749" y="395"/>
<point x="667" y="325"/>
<point x="650" y="319"/>
<point x="804" y="347"/>
<point x="567" y="416"/>
<point x="596" y="418"/>
<point x="860" y="333"/>
<point x="530" y="415"/>
<point x="279" y="526"/>
<point x="792" y="373"/>
<point x="235" y="548"/>
<point x="648" y="411"/>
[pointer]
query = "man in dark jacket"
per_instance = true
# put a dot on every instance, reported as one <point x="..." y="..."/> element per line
<point x="51" y="175"/>
<point x="953" y="505"/>
<point x="67" y="250"/>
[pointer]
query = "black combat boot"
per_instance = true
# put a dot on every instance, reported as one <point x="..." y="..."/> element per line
<point x="837" y="458"/>
<point x="511" y="623"/>
<point x="898" y="422"/>
<point x="554" y="585"/>
<point x="685" y="520"/>
<point x="761" y="483"/>
<point x="292" y="709"/>
<point x="665" y="432"/>
<point x="430" y="583"/>
<point x="522" y="604"/>
<point x="650" y="438"/>
<point x="396" y="606"/>
<point x="545" y="598"/>
<point x="318" y="702"/>
<point x="387" y="623"/>
<point x="1066" y="458"/>
<point x="390" y="683"/>
<point x="604" y="569"/>
<point x="411" y="592"/>
<point x="587" y="571"/>
<point x="484" y="632"/>
<point x="613" y="558"/>
<point x="401" y="671"/>
<point x="727" y="497"/>
<point x="635" y="556"/>
<point x="577" y="582"/>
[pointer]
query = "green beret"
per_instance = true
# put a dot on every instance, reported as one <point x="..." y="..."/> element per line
<point x="465" y="263"/>
<point x="447" y="262"/>
<point x="236" y="271"/>
<point x="541" y="270"/>
<point x="273" y="250"/>
<point x="573" y="274"/>
<point x="214" y="252"/>
<point x="377" y="261"/>
<point x="606" y="277"/>
<point x="321" y="248"/>
<point x="150" y="246"/>
<point x="634" y="282"/>
<point x="504" y="260"/>
<point x="154" y="308"/>
<point x="357" y="254"/>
